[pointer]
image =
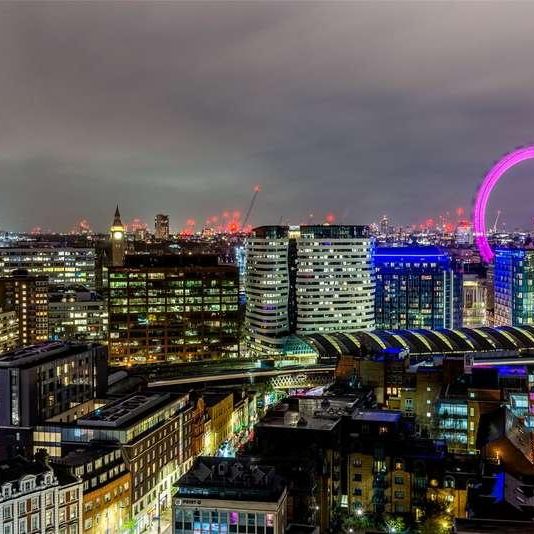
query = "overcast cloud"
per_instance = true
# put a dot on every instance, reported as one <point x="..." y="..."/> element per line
<point x="354" y="108"/>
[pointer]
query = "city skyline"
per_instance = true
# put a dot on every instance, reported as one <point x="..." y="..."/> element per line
<point x="182" y="109"/>
<point x="266" y="267"/>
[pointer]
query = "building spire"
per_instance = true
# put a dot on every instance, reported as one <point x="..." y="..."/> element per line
<point x="117" y="219"/>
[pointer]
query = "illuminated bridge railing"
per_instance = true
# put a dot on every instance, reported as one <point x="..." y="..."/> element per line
<point x="301" y="380"/>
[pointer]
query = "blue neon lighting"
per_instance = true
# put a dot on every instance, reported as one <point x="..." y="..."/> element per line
<point x="498" y="489"/>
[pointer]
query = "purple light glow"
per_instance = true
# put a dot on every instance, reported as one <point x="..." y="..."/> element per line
<point x="479" y="211"/>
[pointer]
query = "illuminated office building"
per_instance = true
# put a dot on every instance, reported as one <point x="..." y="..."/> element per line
<point x="152" y="431"/>
<point x="161" y="226"/>
<point x="172" y="308"/>
<point x="76" y="313"/>
<point x="417" y="287"/>
<point x="106" y="486"/>
<point x="27" y="296"/>
<point x="43" y="380"/>
<point x="9" y="330"/>
<point x="307" y="279"/>
<point x="513" y="282"/>
<point x="63" y="265"/>
<point x="334" y="279"/>
<point x="474" y="301"/>
<point x="229" y="495"/>
<point x="267" y="288"/>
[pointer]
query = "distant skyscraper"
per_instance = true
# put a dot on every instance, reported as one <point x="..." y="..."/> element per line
<point x="513" y="287"/>
<point x="64" y="265"/>
<point x="417" y="287"/>
<point x="464" y="233"/>
<point x="27" y="295"/>
<point x="384" y="225"/>
<point x="161" y="226"/>
<point x="118" y="240"/>
<point x="307" y="279"/>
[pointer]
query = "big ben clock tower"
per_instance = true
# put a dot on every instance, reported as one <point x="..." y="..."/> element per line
<point x="118" y="240"/>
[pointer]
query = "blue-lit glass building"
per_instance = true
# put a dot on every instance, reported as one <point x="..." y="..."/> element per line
<point x="514" y="287"/>
<point x="417" y="287"/>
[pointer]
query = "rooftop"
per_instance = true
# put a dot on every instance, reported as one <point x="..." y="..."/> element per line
<point x="46" y="245"/>
<point x="284" y="417"/>
<point x="505" y="340"/>
<point x="211" y="398"/>
<point x="379" y="416"/>
<point x="318" y="231"/>
<point x="125" y="411"/>
<point x="231" y="478"/>
<point x="146" y="261"/>
<point x="16" y="468"/>
<point x="80" y="457"/>
<point x="34" y="354"/>
<point x="78" y="293"/>
<point x="422" y="252"/>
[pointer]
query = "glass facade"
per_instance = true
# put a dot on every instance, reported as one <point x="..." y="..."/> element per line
<point x="452" y="423"/>
<point x="62" y="265"/>
<point x="50" y="380"/>
<point x="9" y="330"/>
<point x="221" y="521"/>
<point x="474" y="301"/>
<point x="173" y="314"/>
<point x="514" y="287"/>
<point x="416" y="287"/>
<point x="77" y="315"/>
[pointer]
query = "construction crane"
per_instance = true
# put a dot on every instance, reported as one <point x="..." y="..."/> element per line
<point x="257" y="189"/>
<point x="494" y="229"/>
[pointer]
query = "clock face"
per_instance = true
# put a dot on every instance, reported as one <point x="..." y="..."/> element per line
<point x="117" y="235"/>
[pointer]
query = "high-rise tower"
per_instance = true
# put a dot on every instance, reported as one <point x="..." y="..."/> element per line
<point x="118" y="241"/>
<point x="27" y="295"/>
<point x="161" y="226"/>
<point x="306" y="280"/>
<point x="417" y="287"/>
<point x="513" y="288"/>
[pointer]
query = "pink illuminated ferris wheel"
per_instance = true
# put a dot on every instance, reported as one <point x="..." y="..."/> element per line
<point x="481" y="201"/>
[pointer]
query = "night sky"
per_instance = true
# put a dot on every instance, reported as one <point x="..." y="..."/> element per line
<point x="352" y="108"/>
